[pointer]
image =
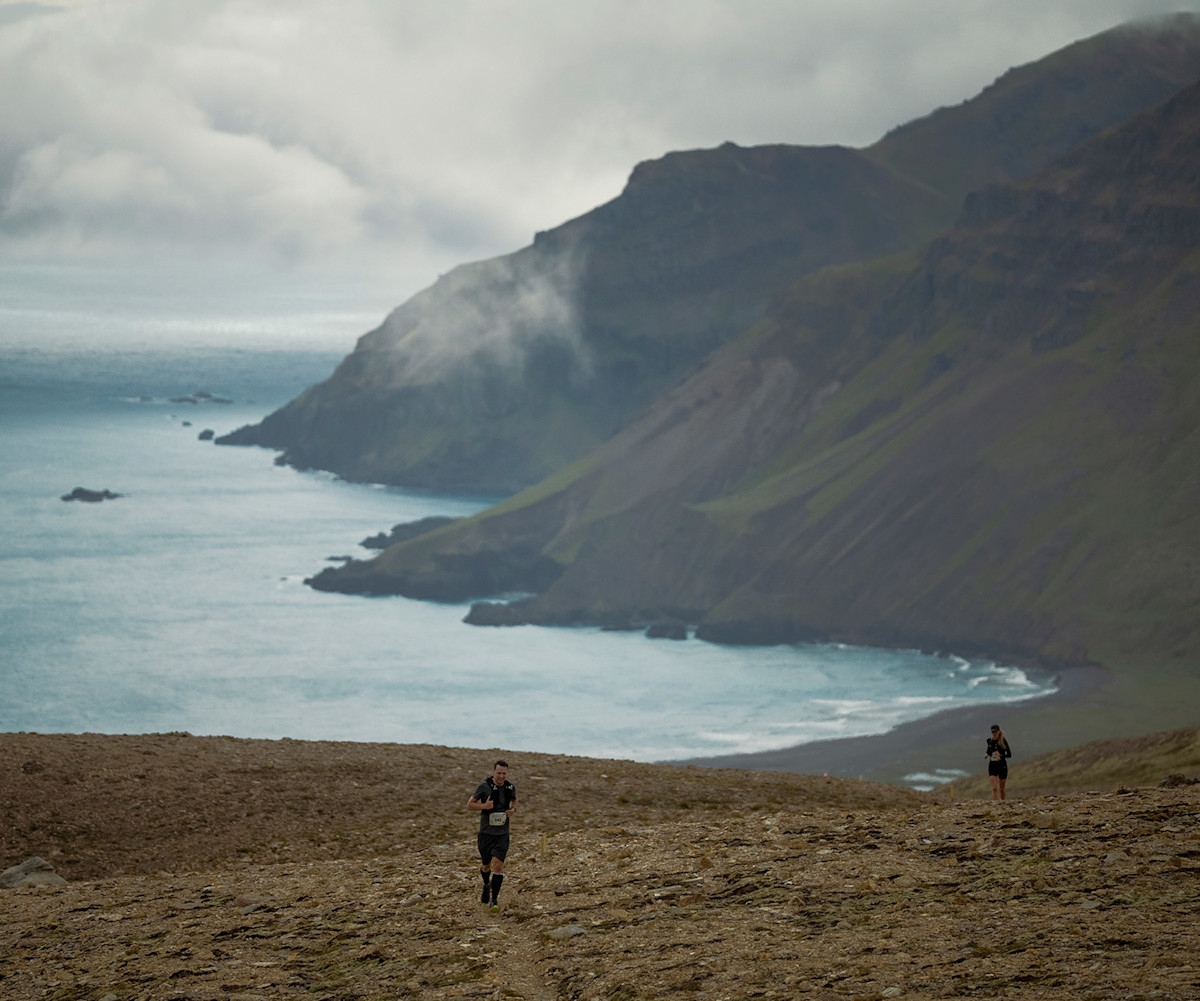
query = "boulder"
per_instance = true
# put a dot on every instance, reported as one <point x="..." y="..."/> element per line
<point x="32" y="872"/>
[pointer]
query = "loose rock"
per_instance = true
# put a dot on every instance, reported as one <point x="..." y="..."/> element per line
<point x="34" y="871"/>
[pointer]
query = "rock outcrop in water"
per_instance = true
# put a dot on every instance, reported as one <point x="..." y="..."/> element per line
<point x="90" y="496"/>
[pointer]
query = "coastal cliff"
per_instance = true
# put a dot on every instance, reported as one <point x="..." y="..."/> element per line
<point x="506" y="370"/>
<point x="981" y="439"/>
<point x="989" y="446"/>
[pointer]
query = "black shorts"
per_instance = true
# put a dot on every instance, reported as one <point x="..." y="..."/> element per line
<point x="998" y="768"/>
<point x="492" y="846"/>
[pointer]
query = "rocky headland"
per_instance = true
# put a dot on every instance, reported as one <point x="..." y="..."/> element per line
<point x="207" y="868"/>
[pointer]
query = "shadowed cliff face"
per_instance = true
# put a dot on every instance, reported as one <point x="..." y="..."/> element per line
<point x="992" y="446"/>
<point x="506" y="370"/>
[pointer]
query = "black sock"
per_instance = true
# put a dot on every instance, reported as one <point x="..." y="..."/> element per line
<point x="487" y="884"/>
<point x="497" y="881"/>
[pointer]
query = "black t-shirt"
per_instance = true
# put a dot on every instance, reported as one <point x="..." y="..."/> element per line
<point x="502" y="798"/>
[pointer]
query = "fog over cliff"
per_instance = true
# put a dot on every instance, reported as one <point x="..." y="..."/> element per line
<point x="490" y="323"/>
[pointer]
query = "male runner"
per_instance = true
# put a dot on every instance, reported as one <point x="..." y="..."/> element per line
<point x="496" y="800"/>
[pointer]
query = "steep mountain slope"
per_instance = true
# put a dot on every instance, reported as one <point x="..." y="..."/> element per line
<point x="505" y="370"/>
<point x="1036" y="113"/>
<point x="994" y="446"/>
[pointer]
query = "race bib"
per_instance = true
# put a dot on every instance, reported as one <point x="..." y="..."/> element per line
<point x="498" y="819"/>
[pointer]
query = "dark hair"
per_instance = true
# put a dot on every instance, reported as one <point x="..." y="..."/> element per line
<point x="501" y="762"/>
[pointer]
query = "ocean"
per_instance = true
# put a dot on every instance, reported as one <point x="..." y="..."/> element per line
<point x="180" y="605"/>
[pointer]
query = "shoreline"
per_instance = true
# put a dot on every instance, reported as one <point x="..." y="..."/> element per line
<point x="952" y="739"/>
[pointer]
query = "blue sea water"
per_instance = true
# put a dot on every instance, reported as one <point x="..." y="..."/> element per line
<point x="181" y="604"/>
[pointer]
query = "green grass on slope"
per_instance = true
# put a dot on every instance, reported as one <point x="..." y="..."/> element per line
<point x="1106" y="431"/>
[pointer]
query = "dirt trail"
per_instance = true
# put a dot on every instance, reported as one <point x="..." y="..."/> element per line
<point x="840" y="891"/>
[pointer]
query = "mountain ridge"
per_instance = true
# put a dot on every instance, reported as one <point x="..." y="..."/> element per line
<point x="507" y="369"/>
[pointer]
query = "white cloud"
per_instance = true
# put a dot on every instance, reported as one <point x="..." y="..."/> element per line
<point x="417" y="134"/>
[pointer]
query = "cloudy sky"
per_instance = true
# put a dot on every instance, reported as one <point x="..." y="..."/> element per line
<point x="404" y="136"/>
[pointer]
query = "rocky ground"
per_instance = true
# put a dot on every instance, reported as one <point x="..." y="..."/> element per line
<point x="202" y="868"/>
